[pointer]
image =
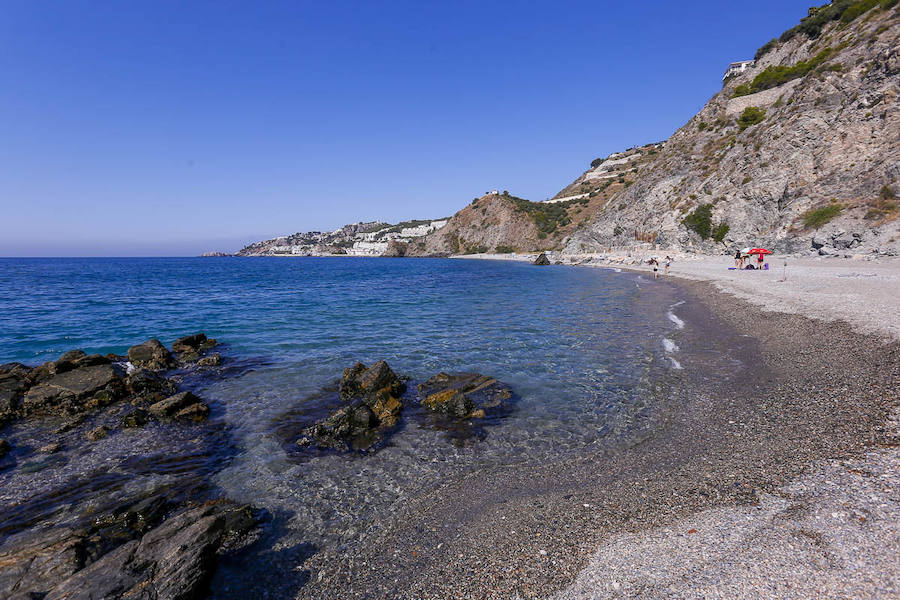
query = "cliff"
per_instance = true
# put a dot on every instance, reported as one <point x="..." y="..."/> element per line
<point x="800" y="152"/>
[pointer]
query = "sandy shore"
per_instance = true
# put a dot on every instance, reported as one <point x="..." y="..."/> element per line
<point x="779" y="481"/>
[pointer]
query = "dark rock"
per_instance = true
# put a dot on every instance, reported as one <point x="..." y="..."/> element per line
<point x="151" y="355"/>
<point x="13" y="385"/>
<point x="68" y="392"/>
<point x="136" y="418"/>
<point x="541" y="260"/>
<point x="4" y="447"/>
<point x="14" y="367"/>
<point x="98" y="433"/>
<point x="176" y="560"/>
<point x="374" y="406"/>
<point x="173" y="404"/>
<point x="125" y="555"/>
<point x="149" y="385"/>
<point x="50" y="448"/>
<point x="190" y="348"/>
<point x="463" y="394"/>
<point x="189" y="343"/>
<point x="34" y="561"/>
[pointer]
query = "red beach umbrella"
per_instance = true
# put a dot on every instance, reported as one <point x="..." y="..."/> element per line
<point x="759" y="251"/>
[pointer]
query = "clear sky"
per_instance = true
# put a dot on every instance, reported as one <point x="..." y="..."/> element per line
<point x="170" y="128"/>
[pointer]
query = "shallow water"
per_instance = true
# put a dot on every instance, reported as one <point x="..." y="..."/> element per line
<point x="585" y="351"/>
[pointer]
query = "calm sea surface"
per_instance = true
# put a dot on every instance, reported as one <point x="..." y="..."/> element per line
<point x="582" y="349"/>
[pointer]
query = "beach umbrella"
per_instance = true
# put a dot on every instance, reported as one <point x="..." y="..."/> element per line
<point x="759" y="251"/>
<point x="746" y="250"/>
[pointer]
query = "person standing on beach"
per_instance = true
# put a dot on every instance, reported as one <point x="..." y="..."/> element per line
<point x="668" y="263"/>
<point x="655" y="264"/>
<point x="759" y="261"/>
<point x="738" y="260"/>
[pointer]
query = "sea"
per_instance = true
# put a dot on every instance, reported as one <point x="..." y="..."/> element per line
<point x="589" y="353"/>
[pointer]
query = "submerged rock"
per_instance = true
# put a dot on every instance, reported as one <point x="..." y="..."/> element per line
<point x="4" y="447"/>
<point x="213" y="360"/>
<point x="373" y="396"/>
<point x="98" y="433"/>
<point x="151" y="355"/>
<point x="541" y="260"/>
<point x="463" y="394"/>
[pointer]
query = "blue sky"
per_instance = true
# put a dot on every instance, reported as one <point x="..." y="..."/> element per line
<point x="169" y="128"/>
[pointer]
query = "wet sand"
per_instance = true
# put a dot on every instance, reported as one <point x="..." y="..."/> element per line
<point x="800" y="392"/>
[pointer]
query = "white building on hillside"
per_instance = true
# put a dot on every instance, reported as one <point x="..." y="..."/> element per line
<point x="736" y="68"/>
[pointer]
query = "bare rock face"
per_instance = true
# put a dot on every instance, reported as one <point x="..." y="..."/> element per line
<point x="541" y="260"/>
<point x="828" y="138"/>
<point x="151" y="355"/>
<point x="373" y="405"/>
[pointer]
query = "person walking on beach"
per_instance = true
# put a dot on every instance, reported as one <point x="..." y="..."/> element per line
<point x="759" y="261"/>
<point x="739" y="259"/>
<point x="655" y="264"/>
<point x="668" y="263"/>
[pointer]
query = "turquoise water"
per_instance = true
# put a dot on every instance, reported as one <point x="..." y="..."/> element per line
<point x="582" y="348"/>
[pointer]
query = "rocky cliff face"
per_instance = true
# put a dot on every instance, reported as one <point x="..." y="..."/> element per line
<point x="800" y="152"/>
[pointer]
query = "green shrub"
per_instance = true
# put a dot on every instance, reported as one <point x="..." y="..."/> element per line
<point x="775" y="75"/>
<point x="720" y="231"/>
<point x="547" y="217"/>
<point x="504" y="250"/>
<point x="596" y="162"/>
<point x="835" y="67"/>
<point x="700" y="220"/>
<point x="618" y="230"/>
<point x="702" y="125"/>
<point x="886" y="193"/>
<point x="751" y="116"/>
<point x="820" y="16"/>
<point x="886" y="4"/>
<point x="816" y="217"/>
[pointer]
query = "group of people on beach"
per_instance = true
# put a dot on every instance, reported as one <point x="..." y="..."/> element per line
<point x="654" y="263"/>
<point x="740" y="258"/>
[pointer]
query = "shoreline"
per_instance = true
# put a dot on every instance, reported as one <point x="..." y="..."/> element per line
<point x="811" y="393"/>
<point x="863" y="293"/>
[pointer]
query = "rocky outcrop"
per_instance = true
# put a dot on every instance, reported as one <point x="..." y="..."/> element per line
<point x="125" y="555"/>
<point x="151" y="355"/>
<point x="492" y="223"/>
<point x="813" y="168"/>
<point x="541" y="260"/>
<point x="463" y="394"/>
<point x="372" y="397"/>
<point x="182" y="405"/>
<point x="190" y="348"/>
